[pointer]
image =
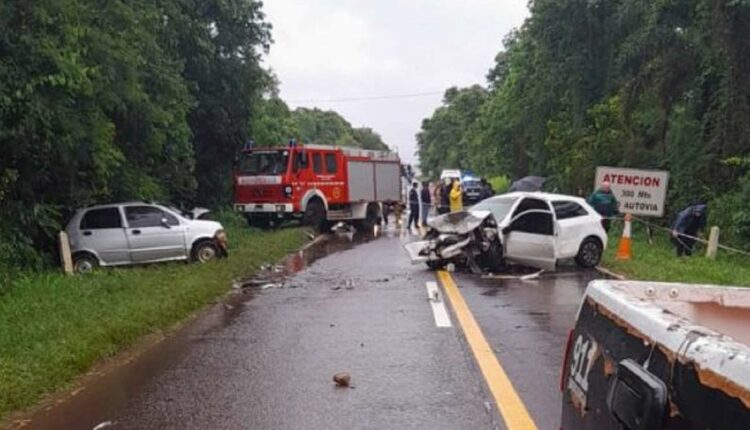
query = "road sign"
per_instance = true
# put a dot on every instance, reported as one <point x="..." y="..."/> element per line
<point x="639" y="192"/>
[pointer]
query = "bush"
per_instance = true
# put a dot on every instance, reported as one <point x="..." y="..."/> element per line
<point x="500" y="184"/>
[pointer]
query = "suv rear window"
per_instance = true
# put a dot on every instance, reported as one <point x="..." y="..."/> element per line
<point x="97" y="219"/>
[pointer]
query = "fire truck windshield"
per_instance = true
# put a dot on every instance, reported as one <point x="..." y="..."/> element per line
<point x="264" y="163"/>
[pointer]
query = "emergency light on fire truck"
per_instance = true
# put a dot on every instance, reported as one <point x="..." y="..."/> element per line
<point x="318" y="184"/>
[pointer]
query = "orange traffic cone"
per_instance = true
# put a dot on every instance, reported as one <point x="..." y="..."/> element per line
<point x="624" y="250"/>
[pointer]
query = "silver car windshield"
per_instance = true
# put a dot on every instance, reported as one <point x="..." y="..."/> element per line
<point x="264" y="163"/>
<point x="499" y="206"/>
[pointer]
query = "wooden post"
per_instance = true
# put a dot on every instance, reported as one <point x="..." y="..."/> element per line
<point x="65" y="258"/>
<point x="713" y="243"/>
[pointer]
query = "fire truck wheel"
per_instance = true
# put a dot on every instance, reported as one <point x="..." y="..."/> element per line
<point x="315" y="215"/>
<point x="371" y="218"/>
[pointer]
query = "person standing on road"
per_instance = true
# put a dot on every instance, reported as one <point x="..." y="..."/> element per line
<point x="445" y="198"/>
<point x="686" y="226"/>
<point x="437" y="195"/>
<point x="604" y="202"/>
<point x="486" y="192"/>
<point x="413" y="207"/>
<point x="456" y="197"/>
<point x="426" y="202"/>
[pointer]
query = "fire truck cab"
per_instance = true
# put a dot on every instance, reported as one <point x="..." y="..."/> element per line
<point x="315" y="183"/>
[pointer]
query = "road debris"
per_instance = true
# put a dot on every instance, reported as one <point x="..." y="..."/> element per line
<point x="272" y="285"/>
<point x="342" y="379"/>
<point x="527" y="277"/>
<point x="104" y="425"/>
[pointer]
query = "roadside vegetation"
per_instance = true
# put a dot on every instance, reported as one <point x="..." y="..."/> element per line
<point x="651" y="84"/>
<point x="55" y="327"/>
<point x="115" y="101"/>
<point x="657" y="262"/>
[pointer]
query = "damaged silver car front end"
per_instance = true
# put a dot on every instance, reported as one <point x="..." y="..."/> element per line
<point x="464" y="238"/>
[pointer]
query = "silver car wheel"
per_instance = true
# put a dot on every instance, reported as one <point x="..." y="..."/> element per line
<point x="84" y="265"/>
<point x="206" y="253"/>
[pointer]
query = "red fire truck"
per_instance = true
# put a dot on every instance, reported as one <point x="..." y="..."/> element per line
<point x="318" y="184"/>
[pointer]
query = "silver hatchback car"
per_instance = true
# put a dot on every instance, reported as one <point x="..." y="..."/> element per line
<point x="138" y="232"/>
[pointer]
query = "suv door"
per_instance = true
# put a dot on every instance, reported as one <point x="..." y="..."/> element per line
<point x="101" y="230"/>
<point x="154" y="234"/>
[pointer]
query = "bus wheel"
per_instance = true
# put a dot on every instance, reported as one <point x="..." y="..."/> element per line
<point x="315" y="215"/>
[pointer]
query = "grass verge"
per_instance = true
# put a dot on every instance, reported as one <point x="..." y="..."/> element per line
<point x="54" y="328"/>
<point x="658" y="262"/>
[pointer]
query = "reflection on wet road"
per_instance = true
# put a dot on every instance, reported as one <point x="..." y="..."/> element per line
<point x="264" y="358"/>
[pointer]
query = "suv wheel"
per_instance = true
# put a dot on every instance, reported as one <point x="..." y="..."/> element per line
<point x="205" y="252"/>
<point x="590" y="253"/>
<point x="85" y="263"/>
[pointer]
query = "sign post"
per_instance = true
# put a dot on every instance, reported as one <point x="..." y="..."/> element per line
<point x="638" y="192"/>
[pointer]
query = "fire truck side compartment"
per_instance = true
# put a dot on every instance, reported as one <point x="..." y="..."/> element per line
<point x="387" y="182"/>
<point x="361" y="187"/>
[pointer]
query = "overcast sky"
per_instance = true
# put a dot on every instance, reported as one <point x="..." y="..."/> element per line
<point x="339" y="49"/>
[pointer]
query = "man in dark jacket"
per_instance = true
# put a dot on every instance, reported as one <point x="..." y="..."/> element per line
<point x="604" y="202"/>
<point x="686" y="226"/>
<point x="445" y="199"/>
<point x="486" y="191"/>
<point x="426" y="202"/>
<point x="413" y="207"/>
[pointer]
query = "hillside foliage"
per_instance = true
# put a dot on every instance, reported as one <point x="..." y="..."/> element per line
<point x="656" y="84"/>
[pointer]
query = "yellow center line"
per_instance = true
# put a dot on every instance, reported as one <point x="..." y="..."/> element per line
<point x="508" y="402"/>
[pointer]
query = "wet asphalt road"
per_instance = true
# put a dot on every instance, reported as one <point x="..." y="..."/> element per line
<point x="264" y="358"/>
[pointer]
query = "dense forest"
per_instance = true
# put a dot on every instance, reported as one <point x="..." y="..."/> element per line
<point x="110" y="100"/>
<point x="275" y="123"/>
<point x="661" y="84"/>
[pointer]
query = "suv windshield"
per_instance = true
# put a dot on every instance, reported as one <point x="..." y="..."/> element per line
<point x="499" y="206"/>
<point x="264" y="163"/>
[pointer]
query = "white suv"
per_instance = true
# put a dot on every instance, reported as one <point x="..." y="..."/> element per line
<point x="137" y="232"/>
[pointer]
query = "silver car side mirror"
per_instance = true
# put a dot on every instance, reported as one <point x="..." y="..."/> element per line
<point x="165" y="223"/>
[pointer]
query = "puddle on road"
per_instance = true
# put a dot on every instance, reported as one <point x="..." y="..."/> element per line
<point x="103" y="392"/>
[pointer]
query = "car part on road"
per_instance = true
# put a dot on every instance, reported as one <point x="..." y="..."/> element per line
<point x="342" y="379"/>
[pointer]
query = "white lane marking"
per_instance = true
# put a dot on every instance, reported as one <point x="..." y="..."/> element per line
<point x="438" y="305"/>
